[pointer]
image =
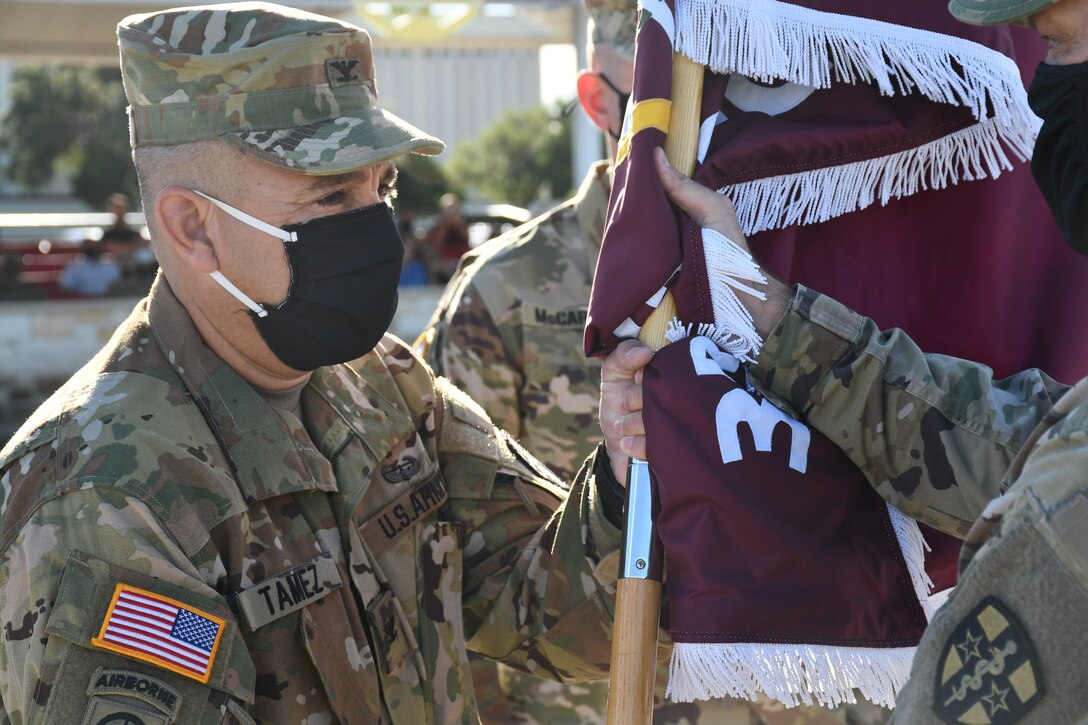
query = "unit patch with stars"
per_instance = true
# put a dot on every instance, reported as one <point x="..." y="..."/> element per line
<point x="988" y="672"/>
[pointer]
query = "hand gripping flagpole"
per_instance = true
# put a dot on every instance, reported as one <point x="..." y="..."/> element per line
<point x="638" y="590"/>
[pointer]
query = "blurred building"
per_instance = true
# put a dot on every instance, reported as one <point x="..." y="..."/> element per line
<point x="454" y="85"/>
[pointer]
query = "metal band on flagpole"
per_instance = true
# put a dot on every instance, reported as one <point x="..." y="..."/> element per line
<point x="641" y="556"/>
<point x="638" y="591"/>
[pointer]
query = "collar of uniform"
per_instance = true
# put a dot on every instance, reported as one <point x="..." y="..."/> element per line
<point x="591" y="205"/>
<point x="266" y="454"/>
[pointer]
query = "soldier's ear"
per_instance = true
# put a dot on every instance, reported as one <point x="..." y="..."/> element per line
<point x="183" y="217"/>
<point x="592" y="94"/>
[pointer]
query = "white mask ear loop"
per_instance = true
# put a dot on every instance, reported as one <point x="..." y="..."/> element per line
<point x="260" y="226"/>
<point x="251" y="220"/>
<point x="238" y="294"/>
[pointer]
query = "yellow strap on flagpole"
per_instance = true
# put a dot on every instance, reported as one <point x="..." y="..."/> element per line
<point x="651" y="113"/>
<point x="638" y="601"/>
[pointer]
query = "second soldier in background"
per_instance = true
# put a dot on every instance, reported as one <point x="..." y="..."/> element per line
<point x="509" y="332"/>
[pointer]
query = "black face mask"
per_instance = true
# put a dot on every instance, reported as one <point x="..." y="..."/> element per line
<point x="623" y="99"/>
<point x="345" y="269"/>
<point x="1059" y="95"/>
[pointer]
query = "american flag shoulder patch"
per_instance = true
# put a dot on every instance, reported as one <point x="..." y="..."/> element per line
<point x="162" y="631"/>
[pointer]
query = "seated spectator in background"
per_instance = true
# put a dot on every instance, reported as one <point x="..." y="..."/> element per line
<point x="91" y="274"/>
<point x="120" y="239"/>
<point x="449" y="236"/>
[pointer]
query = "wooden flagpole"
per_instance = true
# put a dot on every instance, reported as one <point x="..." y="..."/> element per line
<point x="638" y="590"/>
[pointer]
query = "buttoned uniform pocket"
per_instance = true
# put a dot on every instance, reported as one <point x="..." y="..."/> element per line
<point x="123" y="647"/>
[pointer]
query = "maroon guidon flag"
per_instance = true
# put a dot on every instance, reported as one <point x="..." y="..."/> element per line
<point x="787" y="574"/>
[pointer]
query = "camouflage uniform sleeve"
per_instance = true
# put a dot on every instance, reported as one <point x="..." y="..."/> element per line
<point x="538" y="590"/>
<point x="934" y="435"/>
<point x="59" y="570"/>
<point x="468" y="347"/>
<point x="1009" y="644"/>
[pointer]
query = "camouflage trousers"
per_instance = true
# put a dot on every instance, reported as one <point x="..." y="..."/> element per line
<point x="506" y="696"/>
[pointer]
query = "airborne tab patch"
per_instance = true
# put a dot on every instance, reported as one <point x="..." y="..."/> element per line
<point x="988" y="672"/>
<point x="121" y="696"/>
<point x="162" y="631"/>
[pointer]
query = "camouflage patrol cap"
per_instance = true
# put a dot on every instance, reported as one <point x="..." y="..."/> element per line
<point x="614" y="22"/>
<point x="293" y="89"/>
<point x="996" y="12"/>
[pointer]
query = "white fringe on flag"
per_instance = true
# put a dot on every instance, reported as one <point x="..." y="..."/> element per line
<point x="811" y="197"/>
<point x="914" y="547"/>
<point x="767" y="40"/>
<point x="792" y="674"/>
<point x="728" y="268"/>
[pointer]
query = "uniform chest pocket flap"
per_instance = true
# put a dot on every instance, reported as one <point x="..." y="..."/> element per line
<point x="123" y="643"/>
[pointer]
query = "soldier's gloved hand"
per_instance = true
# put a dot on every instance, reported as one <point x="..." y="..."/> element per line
<point x="621" y="404"/>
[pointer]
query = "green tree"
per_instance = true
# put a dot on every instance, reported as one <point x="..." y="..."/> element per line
<point x="421" y="182"/>
<point x="72" y="119"/>
<point x="524" y="155"/>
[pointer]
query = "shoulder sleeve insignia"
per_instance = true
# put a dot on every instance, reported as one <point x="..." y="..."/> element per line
<point x="162" y="631"/>
<point x="126" y="697"/>
<point x="988" y="672"/>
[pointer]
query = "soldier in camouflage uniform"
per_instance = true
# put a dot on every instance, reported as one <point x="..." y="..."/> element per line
<point x="508" y="331"/>
<point x="999" y="463"/>
<point x="197" y="530"/>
